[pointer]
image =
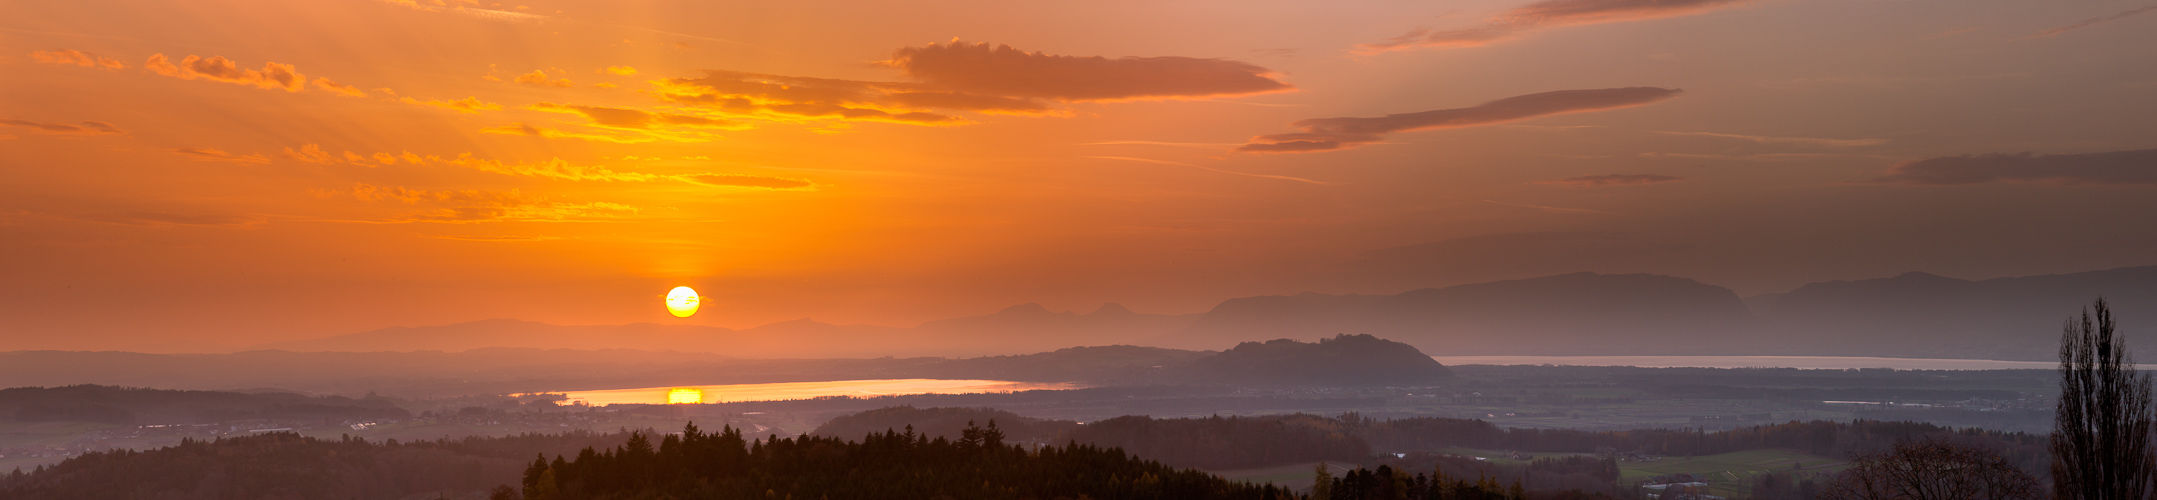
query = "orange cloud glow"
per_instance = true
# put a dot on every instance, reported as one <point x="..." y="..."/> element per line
<point x="86" y="128"/>
<point x="1325" y="134"/>
<point x="1542" y="15"/>
<point x="275" y="76"/>
<point x="76" y="58"/>
<point x="214" y="154"/>
<point x="465" y="105"/>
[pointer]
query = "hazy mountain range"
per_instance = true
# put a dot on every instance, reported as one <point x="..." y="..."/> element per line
<point x="1912" y="315"/>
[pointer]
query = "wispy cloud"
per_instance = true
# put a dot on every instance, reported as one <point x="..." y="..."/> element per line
<point x="219" y="155"/>
<point x="86" y="128"/>
<point x="1751" y="157"/>
<point x="1803" y="141"/>
<point x="274" y="76"/>
<point x="1613" y="180"/>
<point x="73" y="57"/>
<point x="746" y="181"/>
<point x="1523" y="20"/>
<point x="494" y="238"/>
<point x="1551" y="209"/>
<point x="539" y="78"/>
<point x="332" y="86"/>
<point x="968" y="77"/>
<point x="469" y="206"/>
<point x="1211" y="169"/>
<point x="465" y="105"/>
<point x="2088" y="23"/>
<point x="1325" y="134"/>
<point x="171" y="219"/>
<point x="2116" y="167"/>
<point x="1000" y="70"/>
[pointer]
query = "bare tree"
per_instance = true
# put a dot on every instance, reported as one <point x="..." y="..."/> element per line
<point x="2101" y="432"/>
<point x="1932" y="470"/>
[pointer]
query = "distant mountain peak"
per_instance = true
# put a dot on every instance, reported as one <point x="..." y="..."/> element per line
<point x="1921" y="275"/>
<point x="1027" y="309"/>
<point x="1111" y="309"/>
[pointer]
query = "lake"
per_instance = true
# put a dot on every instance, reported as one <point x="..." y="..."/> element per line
<point x="803" y="390"/>
<point x="1808" y="362"/>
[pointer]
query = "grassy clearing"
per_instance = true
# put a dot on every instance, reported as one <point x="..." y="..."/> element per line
<point x="1731" y="474"/>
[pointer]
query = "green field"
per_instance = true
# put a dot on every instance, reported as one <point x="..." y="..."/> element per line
<point x="1731" y="474"/>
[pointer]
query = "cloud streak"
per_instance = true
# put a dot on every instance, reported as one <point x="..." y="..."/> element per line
<point x="1802" y="141"/>
<point x="218" y="155"/>
<point x="1613" y="180"/>
<point x="968" y="77"/>
<point x="1326" y="134"/>
<point x="465" y="105"/>
<point x="979" y="68"/>
<point x="274" y="76"/>
<point x="747" y="181"/>
<point x="86" y="128"/>
<point x="2116" y="167"/>
<point x="1211" y="169"/>
<point x="1523" y="20"/>
<point x="2088" y="23"/>
<point x="71" y="57"/>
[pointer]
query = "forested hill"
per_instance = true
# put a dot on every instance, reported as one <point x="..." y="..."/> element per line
<point x="124" y="405"/>
<point x="690" y="464"/>
<point x="1341" y="361"/>
<point x="288" y="466"/>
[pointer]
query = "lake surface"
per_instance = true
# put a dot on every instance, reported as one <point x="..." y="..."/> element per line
<point x="804" y="390"/>
<point x="1809" y="362"/>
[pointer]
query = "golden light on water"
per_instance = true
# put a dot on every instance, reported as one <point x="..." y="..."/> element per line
<point x="682" y="301"/>
<point x="781" y="391"/>
<point x="686" y="396"/>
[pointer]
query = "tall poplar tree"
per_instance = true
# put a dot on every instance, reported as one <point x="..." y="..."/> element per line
<point x="2101" y="432"/>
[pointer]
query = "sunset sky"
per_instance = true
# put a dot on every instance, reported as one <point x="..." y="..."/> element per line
<point x="209" y="174"/>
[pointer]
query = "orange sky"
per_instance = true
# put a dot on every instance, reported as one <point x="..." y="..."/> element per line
<point x="226" y="173"/>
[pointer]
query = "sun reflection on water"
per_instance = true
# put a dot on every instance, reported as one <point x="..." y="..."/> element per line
<point x="802" y="390"/>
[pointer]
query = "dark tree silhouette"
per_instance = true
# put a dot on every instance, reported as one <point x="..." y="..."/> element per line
<point x="1932" y="470"/>
<point x="2101" y="432"/>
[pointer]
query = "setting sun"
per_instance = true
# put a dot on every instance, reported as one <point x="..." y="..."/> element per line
<point x="685" y="396"/>
<point x="682" y="301"/>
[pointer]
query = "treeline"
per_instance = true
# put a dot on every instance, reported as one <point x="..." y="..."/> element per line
<point x="944" y="422"/>
<point x="1225" y="443"/>
<point x="289" y="466"/>
<point x="696" y="464"/>
<point x="1215" y="443"/>
<point x="1221" y="443"/>
<point x="126" y="405"/>
<point x="1819" y="437"/>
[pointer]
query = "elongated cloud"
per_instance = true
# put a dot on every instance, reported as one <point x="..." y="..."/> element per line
<point x="979" y="68"/>
<point x="76" y="58"/>
<point x="332" y="86"/>
<point x="465" y="105"/>
<point x="86" y="128"/>
<point x="2117" y="167"/>
<point x="214" y="154"/>
<point x="2088" y="23"/>
<point x="1325" y="134"/>
<point x="749" y="181"/>
<point x="647" y="125"/>
<point x="1543" y="15"/>
<point x="464" y="206"/>
<point x="968" y="77"/>
<point x="171" y="219"/>
<point x="1613" y="180"/>
<point x="1803" y="141"/>
<point x="539" y="78"/>
<point x="276" y="76"/>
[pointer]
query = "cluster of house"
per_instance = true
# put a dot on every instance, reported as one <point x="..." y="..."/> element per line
<point x="1679" y="486"/>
